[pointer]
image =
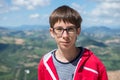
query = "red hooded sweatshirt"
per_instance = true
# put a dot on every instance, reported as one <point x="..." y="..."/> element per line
<point x="89" y="67"/>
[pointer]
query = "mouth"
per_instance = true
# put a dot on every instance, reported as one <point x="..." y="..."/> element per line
<point x="65" y="43"/>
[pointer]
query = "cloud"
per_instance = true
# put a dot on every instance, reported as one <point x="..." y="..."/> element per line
<point x="105" y="0"/>
<point x="3" y="7"/>
<point x="34" y="16"/>
<point x="77" y="7"/>
<point x="31" y="4"/>
<point x="107" y="9"/>
<point x="105" y="13"/>
<point x="6" y="7"/>
<point x="5" y="18"/>
<point x="15" y="5"/>
<point x="14" y="8"/>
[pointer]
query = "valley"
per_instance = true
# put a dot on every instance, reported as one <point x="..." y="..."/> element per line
<point x="22" y="48"/>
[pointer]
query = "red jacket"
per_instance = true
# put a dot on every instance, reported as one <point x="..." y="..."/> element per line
<point x="89" y="67"/>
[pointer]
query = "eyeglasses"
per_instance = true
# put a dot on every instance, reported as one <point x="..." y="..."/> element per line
<point x="59" y="30"/>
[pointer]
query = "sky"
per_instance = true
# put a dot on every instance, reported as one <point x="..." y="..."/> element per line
<point x="36" y="12"/>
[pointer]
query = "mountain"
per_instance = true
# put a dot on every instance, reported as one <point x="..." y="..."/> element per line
<point x="95" y="32"/>
<point x="4" y="31"/>
<point x="3" y="28"/>
<point x="30" y="27"/>
<point x="101" y="29"/>
<point x="86" y="41"/>
<point x="22" y="47"/>
<point x="101" y="32"/>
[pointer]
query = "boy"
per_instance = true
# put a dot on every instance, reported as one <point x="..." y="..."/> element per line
<point x="69" y="62"/>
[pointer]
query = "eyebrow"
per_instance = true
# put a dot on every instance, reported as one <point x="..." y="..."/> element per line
<point x="62" y="26"/>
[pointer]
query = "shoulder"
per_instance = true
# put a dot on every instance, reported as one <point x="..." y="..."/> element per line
<point x="91" y="55"/>
<point x="93" y="60"/>
<point x="46" y="57"/>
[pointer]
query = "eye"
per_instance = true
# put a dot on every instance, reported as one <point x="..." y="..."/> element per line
<point x="59" y="29"/>
<point x="71" y="29"/>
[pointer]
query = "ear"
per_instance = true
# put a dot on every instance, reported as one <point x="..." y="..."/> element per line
<point x="51" y="32"/>
<point x="78" y="31"/>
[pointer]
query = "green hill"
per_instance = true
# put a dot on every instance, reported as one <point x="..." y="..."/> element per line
<point x="22" y="50"/>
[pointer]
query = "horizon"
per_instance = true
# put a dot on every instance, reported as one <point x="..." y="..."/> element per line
<point x="47" y="26"/>
<point x="36" y="12"/>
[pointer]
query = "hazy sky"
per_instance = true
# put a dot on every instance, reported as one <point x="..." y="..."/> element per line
<point x="36" y="12"/>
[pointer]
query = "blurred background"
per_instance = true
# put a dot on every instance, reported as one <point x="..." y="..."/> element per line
<point x="24" y="34"/>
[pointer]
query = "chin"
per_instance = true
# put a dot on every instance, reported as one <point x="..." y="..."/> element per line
<point x="66" y="47"/>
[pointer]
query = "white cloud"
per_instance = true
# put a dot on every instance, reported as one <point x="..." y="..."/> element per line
<point x="3" y="7"/>
<point x="105" y="0"/>
<point x="15" y="5"/>
<point x="77" y="7"/>
<point x="106" y="13"/>
<point x="34" y="16"/>
<point x="14" y="8"/>
<point x="5" y="18"/>
<point x="6" y="7"/>
<point x="107" y="9"/>
<point x="31" y="4"/>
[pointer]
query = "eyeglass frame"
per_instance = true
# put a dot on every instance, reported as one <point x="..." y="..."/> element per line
<point x="66" y="29"/>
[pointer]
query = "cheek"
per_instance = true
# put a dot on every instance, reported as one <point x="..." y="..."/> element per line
<point x="56" y="39"/>
<point x="74" y="38"/>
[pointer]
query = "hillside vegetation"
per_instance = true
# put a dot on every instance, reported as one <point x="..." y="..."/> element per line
<point x="21" y="50"/>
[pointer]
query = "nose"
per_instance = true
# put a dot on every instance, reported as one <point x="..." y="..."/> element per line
<point x="65" y="33"/>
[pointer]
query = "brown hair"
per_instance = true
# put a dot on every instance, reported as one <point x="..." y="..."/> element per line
<point x="66" y="14"/>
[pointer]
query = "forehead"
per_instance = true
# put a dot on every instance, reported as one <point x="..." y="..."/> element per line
<point x="63" y="24"/>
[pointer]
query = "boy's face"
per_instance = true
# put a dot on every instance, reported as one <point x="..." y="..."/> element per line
<point x="65" y="34"/>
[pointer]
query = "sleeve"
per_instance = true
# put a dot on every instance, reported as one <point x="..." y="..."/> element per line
<point x="103" y="74"/>
<point x="41" y="70"/>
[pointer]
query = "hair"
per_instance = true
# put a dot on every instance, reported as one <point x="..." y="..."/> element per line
<point x="66" y="14"/>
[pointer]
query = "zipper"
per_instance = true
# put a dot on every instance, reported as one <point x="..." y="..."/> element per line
<point x="76" y="69"/>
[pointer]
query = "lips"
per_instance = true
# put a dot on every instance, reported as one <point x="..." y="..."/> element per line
<point x="65" y="43"/>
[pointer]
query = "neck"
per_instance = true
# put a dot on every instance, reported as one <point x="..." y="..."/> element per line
<point x="67" y="55"/>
